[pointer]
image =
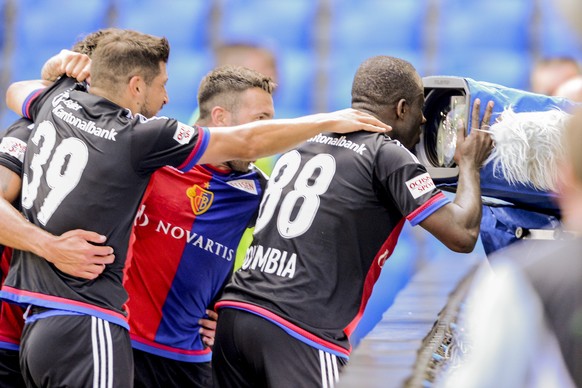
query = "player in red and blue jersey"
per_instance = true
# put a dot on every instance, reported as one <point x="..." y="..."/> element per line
<point x="329" y="219"/>
<point x="11" y="324"/>
<point x="186" y="235"/>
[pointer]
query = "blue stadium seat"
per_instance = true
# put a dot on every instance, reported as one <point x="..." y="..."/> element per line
<point x="185" y="71"/>
<point x="492" y="24"/>
<point x="378" y="24"/>
<point x="44" y="27"/>
<point x="555" y="36"/>
<point x="487" y="40"/>
<point x="507" y="68"/>
<point x="294" y="95"/>
<point x="3" y="31"/>
<point x="184" y="23"/>
<point x="288" y="24"/>
<point x="57" y="23"/>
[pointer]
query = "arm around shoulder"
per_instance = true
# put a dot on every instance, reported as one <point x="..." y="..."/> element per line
<point x="18" y="92"/>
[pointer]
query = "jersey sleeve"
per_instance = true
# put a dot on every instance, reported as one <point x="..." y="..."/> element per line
<point x="408" y="183"/>
<point x="176" y="144"/>
<point x="13" y="145"/>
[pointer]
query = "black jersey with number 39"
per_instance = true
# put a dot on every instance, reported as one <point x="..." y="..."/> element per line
<point x="86" y="166"/>
<point x="329" y="219"/>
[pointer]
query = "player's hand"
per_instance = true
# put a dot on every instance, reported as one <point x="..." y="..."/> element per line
<point x="70" y="63"/>
<point x="208" y="328"/>
<point x="473" y="150"/>
<point x="350" y="120"/>
<point x="76" y="254"/>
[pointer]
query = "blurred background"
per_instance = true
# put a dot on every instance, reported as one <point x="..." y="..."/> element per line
<point x="317" y="44"/>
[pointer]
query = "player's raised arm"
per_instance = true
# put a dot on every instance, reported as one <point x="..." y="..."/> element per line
<point x="262" y="138"/>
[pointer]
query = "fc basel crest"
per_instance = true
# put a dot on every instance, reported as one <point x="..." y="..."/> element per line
<point x="200" y="199"/>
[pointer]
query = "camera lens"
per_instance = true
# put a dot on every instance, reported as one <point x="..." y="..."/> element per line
<point x="443" y="109"/>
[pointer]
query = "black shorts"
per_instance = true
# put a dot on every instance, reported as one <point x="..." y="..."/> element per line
<point x="74" y="351"/>
<point x="10" y="376"/>
<point x="152" y="371"/>
<point x="250" y="351"/>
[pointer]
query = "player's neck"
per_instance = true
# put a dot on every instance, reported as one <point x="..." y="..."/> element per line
<point x="111" y="97"/>
<point x="218" y="166"/>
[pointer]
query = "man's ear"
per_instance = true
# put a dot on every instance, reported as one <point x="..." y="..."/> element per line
<point x="136" y="85"/>
<point x="401" y="108"/>
<point x="220" y="116"/>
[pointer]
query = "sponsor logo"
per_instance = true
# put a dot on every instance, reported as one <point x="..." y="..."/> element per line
<point x="420" y="185"/>
<point x="339" y="142"/>
<point x="247" y="185"/>
<point x="184" y="133"/>
<point x="200" y="199"/>
<point x="141" y="219"/>
<point x="60" y="98"/>
<point x="175" y="232"/>
<point x="13" y="147"/>
<point x="72" y="104"/>
<point x="85" y="126"/>
<point x="270" y="261"/>
<point x="64" y="98"/>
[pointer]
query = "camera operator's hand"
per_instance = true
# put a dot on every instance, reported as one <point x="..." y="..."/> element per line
<point x="473" y="149"/>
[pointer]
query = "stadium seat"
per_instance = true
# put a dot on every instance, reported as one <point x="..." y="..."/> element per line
<point x="185" y="71"/>
<point x="288" y="24"/>
<point x="294" y="95"/>
<point x="487" y="41"/>
<point x="3" y="31"/>
<point x="184" y="23"/>
<point x="507" y="68"/>
<point x="378" y="24"/>
<point x="57" y="23"/>
<point x="493" y="24"/>
<point x="44" y="27"/>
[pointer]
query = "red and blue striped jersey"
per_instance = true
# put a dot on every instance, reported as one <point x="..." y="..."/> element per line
<point x="186" y="234"/>
<point x="11" y="315"/>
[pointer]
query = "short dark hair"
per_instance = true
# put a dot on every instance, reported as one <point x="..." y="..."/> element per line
<point x="221" y="85"/>
<point x="89" y="42"/>
<point x="127" y="53"/>
<point x="383" y="80"/>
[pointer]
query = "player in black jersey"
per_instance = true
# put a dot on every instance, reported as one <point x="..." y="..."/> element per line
<point x="86" y="166"/>
<point x="330" y="218"/>
<point x="73" y="245"/>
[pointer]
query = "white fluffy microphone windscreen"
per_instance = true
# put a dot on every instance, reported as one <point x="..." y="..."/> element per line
<point x="528" y="147"/>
